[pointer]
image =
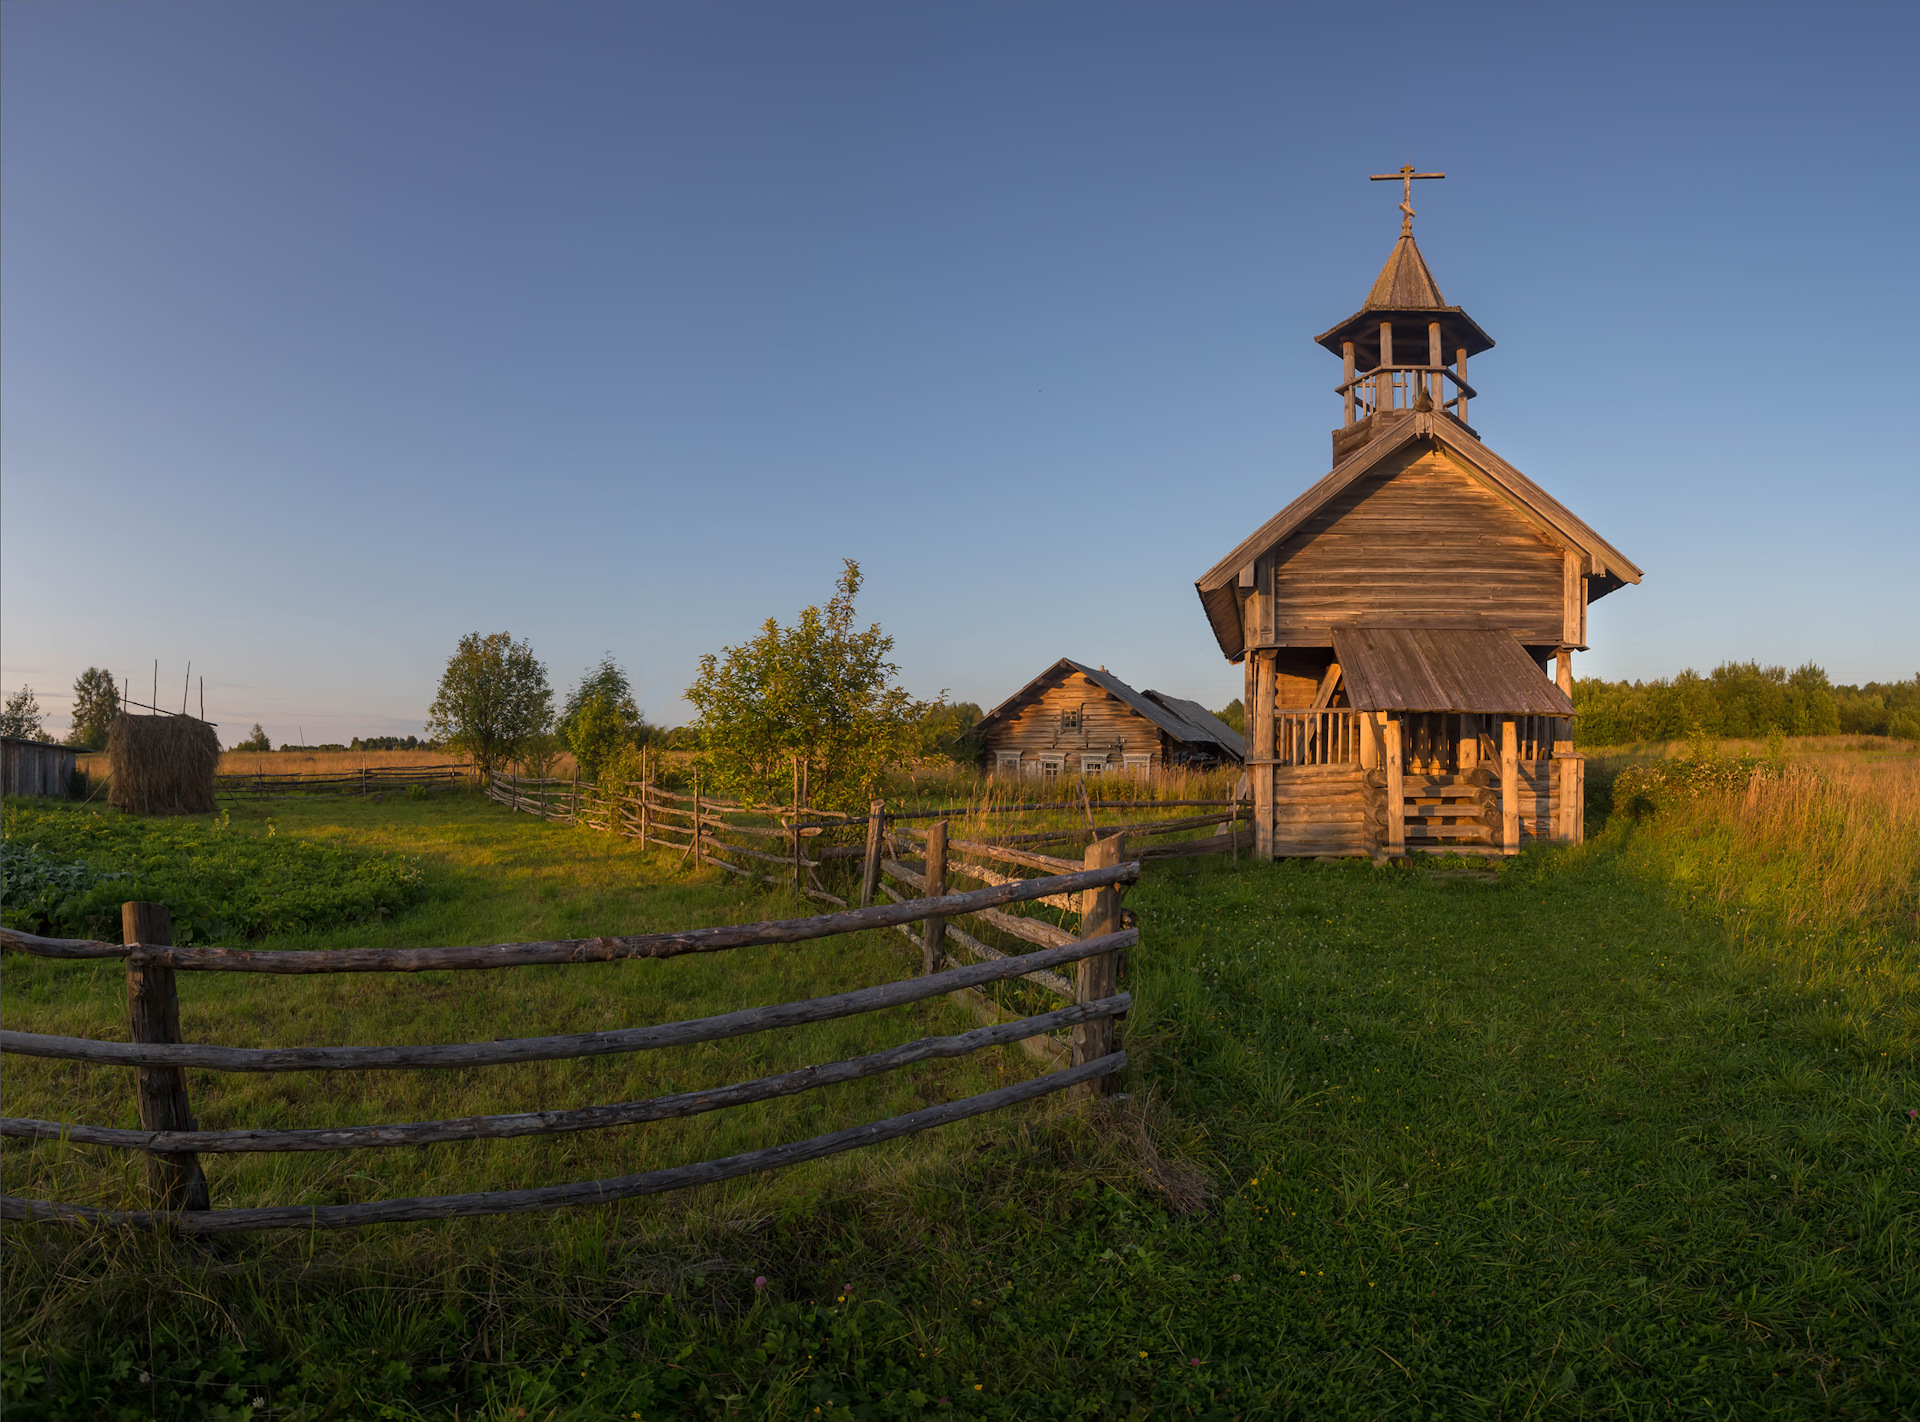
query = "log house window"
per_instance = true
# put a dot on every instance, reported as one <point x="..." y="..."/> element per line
<point x="1051" y="766"/>
<point x="1070" y="718"/>
<point x="1093" y="765"/>
<point x="1140" y="765"/>
<point x="1006" y="762"/>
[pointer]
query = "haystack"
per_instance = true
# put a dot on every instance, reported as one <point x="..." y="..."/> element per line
<point x="162" y="765"/>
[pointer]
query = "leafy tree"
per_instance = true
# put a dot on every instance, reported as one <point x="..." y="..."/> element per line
<point x="22" y="716"/>
<point x="257" y="741"/>
<point x="96" y="701"/>
<point x="949" y="730"/>
<point x="818" y="689"/>
<point x="600" y="718"/>
<point x="1234" y="714"/>
<point x="493" y="701"/>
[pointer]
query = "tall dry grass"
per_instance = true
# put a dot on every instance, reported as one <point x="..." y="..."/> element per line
<point x="1814" y="864"/>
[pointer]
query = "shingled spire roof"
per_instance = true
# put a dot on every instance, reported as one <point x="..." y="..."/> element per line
<point x="1406" y="289"/>
<point x="1404" y="283"/>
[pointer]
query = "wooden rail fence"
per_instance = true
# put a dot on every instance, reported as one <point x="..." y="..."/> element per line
<point x="702" y="828"/>
<point x="368" y="780"/>
<point x="173" y="1142"/>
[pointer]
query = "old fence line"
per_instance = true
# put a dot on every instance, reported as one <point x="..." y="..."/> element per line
<point x="172" y="1141"/>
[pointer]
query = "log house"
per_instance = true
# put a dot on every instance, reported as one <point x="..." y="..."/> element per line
<point x="1395" y="620"/>
<point x="1080" y="720"/>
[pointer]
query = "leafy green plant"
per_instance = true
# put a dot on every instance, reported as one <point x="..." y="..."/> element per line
<point x="69" y="869"/>
<point x="493" y="700"/>
<point x="818" y="690"/>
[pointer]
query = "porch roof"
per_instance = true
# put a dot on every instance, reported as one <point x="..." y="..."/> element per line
<point x="1443" y="669"/>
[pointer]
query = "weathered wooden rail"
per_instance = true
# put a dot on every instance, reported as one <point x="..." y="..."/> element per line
<point x="368" y="780"/>
<point x="704" y="829"/>
<point x="173" y="1142"/>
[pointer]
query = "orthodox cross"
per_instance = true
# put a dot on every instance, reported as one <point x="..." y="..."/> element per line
<point x="1406" y="175"/>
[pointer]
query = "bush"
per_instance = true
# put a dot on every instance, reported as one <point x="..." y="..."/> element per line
<point x="67" y="871"/>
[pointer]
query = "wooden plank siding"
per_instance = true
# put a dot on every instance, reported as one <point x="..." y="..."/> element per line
<point x="1107" y="727"/>
<point x="1418" y="541"/>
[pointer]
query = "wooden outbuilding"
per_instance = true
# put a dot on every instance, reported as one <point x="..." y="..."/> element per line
<point x="29" y="767"/>
<point x="1080" y="720"/>
<point x="1395" y="621"/>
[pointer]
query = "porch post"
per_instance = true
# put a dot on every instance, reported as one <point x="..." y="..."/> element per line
<point x="1260" y="754"/>
<point x="1509" y="787"/>
<point x="1396" y="807"/>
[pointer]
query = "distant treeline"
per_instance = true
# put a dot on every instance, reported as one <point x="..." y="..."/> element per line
<point x="390" y="743"/>
<point x="1742" y="699"/>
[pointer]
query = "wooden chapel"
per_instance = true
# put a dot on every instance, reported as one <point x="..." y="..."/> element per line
<point x="1396" y="619"/>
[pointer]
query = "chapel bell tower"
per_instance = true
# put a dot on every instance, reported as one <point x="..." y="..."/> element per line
<point x="1405" y="349"/>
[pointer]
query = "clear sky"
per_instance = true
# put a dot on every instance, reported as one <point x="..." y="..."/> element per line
<point x="330" y="332"/>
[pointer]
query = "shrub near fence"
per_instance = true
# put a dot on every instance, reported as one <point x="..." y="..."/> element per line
<point x="173" y="1145"/>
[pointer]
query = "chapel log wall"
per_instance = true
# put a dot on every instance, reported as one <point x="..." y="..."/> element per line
<point x="1419" y="541"/>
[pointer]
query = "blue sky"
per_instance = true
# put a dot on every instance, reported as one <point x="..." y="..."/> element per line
<point x="330" y="332"/>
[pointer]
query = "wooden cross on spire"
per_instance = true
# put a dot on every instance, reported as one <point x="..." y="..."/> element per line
<point x="1406" y="177"/>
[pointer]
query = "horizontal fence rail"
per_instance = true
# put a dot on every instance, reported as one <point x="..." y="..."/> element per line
<point x="585" y="1118"/>
<point x="566" y="950"/>
<point x="172" y="1142"/>
<point x="545" y="1049"/>
<point x="592" y="1192"/>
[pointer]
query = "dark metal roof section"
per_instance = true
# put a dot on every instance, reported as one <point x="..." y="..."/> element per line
<point x="1186" y="721"/>
<point x="1406" y="294"/>
<point x="1443" y="669"/>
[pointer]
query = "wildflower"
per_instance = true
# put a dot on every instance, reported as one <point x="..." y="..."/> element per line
<point x="1143" y="1354"/>
<point x="978" y="1386"/>
<point x="759" y="1282"/>
<point x="1193" y="1362"/>
<point x="1236" y="1278"/>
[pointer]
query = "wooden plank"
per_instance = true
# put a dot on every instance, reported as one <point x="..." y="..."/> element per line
<point x="586" y="1118"/>
<point x="870" y="864"/>
<point x="594" y="1192"/>
<point x="1396" y="802"/>
<point x="933" y="929"/>
<point x="1098" y="977"/>
<point x="609" y="949"/>
<point x="1509" y="787"/>
<point x="990" y="876"/>
<point x="174" y="1178"/>
<point x="1260" y="747"/>
<point x="1030" y="929"/>
<point x="579" y="1044"/>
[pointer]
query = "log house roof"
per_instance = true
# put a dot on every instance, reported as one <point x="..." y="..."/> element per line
<point x="1185" y="721"/>
<point x="1607" y="568"/>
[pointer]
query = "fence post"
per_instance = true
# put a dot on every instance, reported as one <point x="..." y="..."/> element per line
<point x="870" y="871"/>
<point x="153" y="1013"/>
<point x="798" y="882"/>
<point x="933" y="931"/>
<point x="1098" y="976"/>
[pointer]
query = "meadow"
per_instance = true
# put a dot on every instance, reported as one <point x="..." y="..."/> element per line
<point x="1622" y="1129"/>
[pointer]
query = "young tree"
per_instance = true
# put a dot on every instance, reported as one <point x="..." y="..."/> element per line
<point x="817" y="689"/>
<point x="96" y="701"/>
<point x="600" y="718"/>
<point x="22" y="716"/>
<point x="493" y="700"/>
<point x="257" y="741"/>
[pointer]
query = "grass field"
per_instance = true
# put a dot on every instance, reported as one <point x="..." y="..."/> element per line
<point x="1589" y="1135"/>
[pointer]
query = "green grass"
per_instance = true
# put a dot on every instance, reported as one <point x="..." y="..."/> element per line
<point x="1555" y="1141"/>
